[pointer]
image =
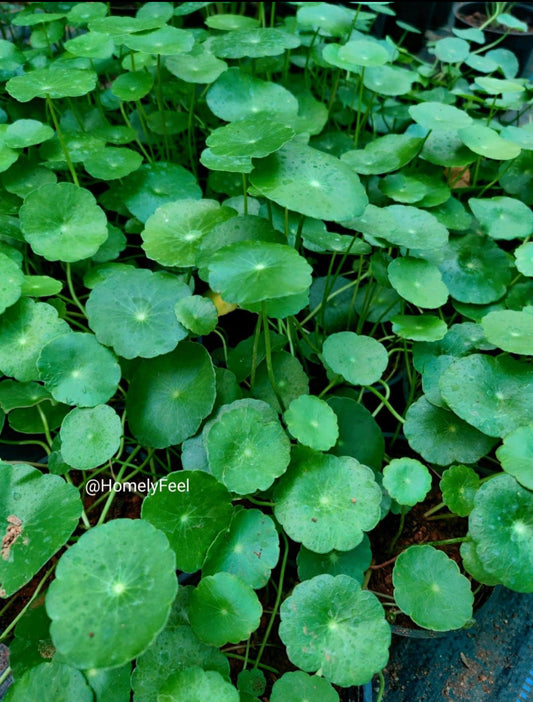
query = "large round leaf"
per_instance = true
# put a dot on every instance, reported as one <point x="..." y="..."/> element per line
<point x="176" y="648"/>
<point x="312" y="422"/>
<point x="516" y="455"/>
<point x="51" y="682"/>
<point x="418" y="282"/>
<point x="327" y="502"/>
<point x="440" y="437"/>
<point x="484" y="141"/>
<point x="78" y="370"/>
<point x="237" y="95"/>
<point x="128" y="568"/>
<point x="295" y="686"/>
<point x="363" y="53"/>
<point x="310" y="182"/>
<point x="501" y="525"/>
<point x="196" y="685"/>
<point x="25" y="328"/>
<point x="133" y="311"/>
<point x="475" y="269"/>
<point x="112" y="163"/>
<point x="256" y="136"/>
<point x="38" y="513"/>
<point x="510" y="330"/>
<point x="430" y="589"/>
<point x="165" y="41"/>
<point x="26" y="132"/>
<point x="62" y="222"/>
<point x="55" y="82"/>
<point x="503" y="217"/>
<point x="197" y="67"/>
<point x="361" y="360"/>
<point x="173" y="234"/>
<point x="246" y="446"/>
<point x="156" y="184"/>
<point x="248" y="272"/>
<point x="249" y="548"/>
<point x="438" y="115"/>
<point x="415" y="228"/>
<point x="330" y="624"/>
<point x="224" y="609"/>
<point x="254" y="43"/>
<point x="90" y="437"/>
<point x="492" y="394"/>
<point x="191" y="518"/>
<point x="170" y="395"/>
<point x="133" y="85"/>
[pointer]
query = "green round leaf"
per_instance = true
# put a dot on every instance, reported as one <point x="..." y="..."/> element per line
<point x="473" y="565"/>
<point x="402" y="187"/>
<point x="475" y="269"/>
<point x="516" y="455"/>
<point x="438" y="115"/>
<point x="503" y="217"/>
<point x="330" y="624"/>
<point x="289" y="375"/>
<point x="422" y="327"/>
<point x="170" y="395"/>
<point x="510" y="330"/>
<point x="236" y="95"/>
<point x="353" y="563"/>
<point x="359" y="434"/>
<point x="430" y="589"/>
<point x="27" y="132"/>
<point x="25" y="328"/>
<point x="231" y="23"/>
<point x="196" y="685"/>
<point x="191" y="508"/>
<point x="224" y="609"/>
<point x="325" y="18"/>
<point x="497" y="86"/>
<point x="361" y="360"/>
<point x="327" y="502"/>
<point x="38" y="513"/>
<point x="253" y="43"/>
<point x="384" y="154"/>
<point x="248" y="549"/>
<point x="51" y="682"/>
<point x="492" y="394"/>
<point x="133" y="311"/>
<point x="524" y="258"/>
<point x="256" y="136"/>
<point x="452" y="50"/>
<point x="248" y="272"/>
<point x="13" y="394"/>
<point x="128" y="568"/>
<point x="310" y="182"/>
<point x="388" y="80"/>
<point x="418" y="281"/>
<point x="363" y="53"/>
<point x="112" y="163"/>
<point x="298" y="686"/>
<point x="165" y="41"/>
<point x="237" y="442"/>
<point x="78" y="370"/>
<point x="173" y="234"/>
<point x="89" y="437"/>
<point x="133" y="85"/>
<point x="40" y="286"/>
<point x="85" y="12"/>
<point x="11" y="280"/>
<point x="227" y="164"/>
<point x="55" y="82"/>
<point x="459" y="485"/>
<point x="92" y="45"/>
<point x="486" y="142"/>
<point x="312" y="422"/>
<point x="402" y="225"/>
<point x="26" y="176"/>
<point x="197" y="67"/>
<point x="440" y="437"/>
<point x="501" y="525"/>
<point x="197" y="314"/>
<point x="176" y="648"/>
<point x="443" y="147"/>
<point x="407" y="481"/>
<point x="62" y="222"/>
<point x="154" y="185"/>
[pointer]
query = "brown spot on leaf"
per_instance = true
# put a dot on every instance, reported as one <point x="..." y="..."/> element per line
<point x="14" y="530"/>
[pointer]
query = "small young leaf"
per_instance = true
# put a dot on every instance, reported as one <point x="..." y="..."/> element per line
<point x="459" y="485"/>
<point x="406" y="480"/>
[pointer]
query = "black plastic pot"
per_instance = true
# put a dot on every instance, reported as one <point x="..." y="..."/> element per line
<point x="520" y="43"/>
<point x="422" y="15"/>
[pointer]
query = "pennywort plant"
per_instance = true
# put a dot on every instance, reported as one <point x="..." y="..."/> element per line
<point x="273" y="273"/>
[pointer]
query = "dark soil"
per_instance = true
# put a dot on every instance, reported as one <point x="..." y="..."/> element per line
<point x="478" y="19"/>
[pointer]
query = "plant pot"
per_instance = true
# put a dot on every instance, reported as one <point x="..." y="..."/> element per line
<point x="422" y="15"/>
<point x="468" y="14"/>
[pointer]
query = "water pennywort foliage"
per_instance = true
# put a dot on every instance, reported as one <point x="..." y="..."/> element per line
<point x="284" y="260"/>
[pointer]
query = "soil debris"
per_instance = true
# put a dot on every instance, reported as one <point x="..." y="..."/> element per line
<point x="14" y="530"/>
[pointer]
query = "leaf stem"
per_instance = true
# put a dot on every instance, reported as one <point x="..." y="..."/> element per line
<point x="73" y="295"/>
<point x="386" y="403"/>
<point x="19" y="616"/>
<point x="268" y="352"/>
<point x="400" y="529"/>
<point x="62" y="142"/>
<point x="434" y="509"/>
<point x="381" y="691"/>
<point x="278" y="600"/>
<point x="444" y="542"/>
